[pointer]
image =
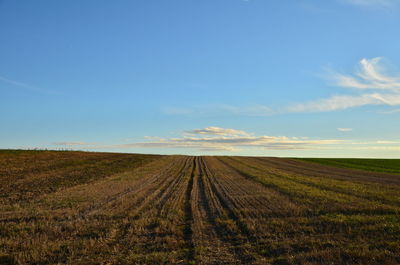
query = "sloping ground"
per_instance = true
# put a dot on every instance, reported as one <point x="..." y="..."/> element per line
<point x="97" y="208"/>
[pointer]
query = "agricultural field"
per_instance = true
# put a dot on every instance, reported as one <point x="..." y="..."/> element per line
<point x="61" y="207"/>
<point x="378" y="165"/>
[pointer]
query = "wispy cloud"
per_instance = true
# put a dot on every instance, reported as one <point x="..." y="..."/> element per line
<point x="250" y="110"/>
<point x="217" y="140"/>
<point x="371" y="83"/>
<point x="345" y="102"/>
<point x="390" y="111"/>
<point x="213" y="109"/>
<point x="370" y="74"/>
<point x="371" y="3"/>
<point x="344" y="129"/>
<point x="25" y="86"/>
<point x="177" y="111"/>
<point x="222" y="139"/>
<point x="387" y="142"/>
<point x="71" y="143"/>
<point x="217" y="131"/>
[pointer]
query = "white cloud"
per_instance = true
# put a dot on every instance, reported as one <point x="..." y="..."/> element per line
<point x="217" y="131"/>
<point x="388" y="148"/>
<point x="345" y="102"/>
<point x="370" y="84"/>
<point x="222" y="139"/>
<point x="386" y="142"/>
<point x="370" y="76"/>
<point x="344" y="129"/>
<point x="216" y="139"/>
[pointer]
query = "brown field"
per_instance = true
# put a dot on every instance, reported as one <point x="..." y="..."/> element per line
<point x="103" y="208"/>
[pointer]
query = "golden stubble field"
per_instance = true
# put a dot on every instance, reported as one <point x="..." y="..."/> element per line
<point x="104" y="208"/>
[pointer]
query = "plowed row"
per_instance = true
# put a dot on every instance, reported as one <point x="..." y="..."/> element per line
<point x="139" y="209"/>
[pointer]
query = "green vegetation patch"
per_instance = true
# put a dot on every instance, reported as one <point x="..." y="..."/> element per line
<point x="377" y="165"/>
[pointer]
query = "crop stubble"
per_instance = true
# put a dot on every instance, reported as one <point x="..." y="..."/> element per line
<point x="138" y="209"/>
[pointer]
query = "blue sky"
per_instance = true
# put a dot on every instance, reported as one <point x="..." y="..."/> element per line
<point x="235" y="77"/>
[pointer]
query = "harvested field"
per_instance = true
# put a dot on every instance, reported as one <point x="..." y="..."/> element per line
<point x="102" y="208"/>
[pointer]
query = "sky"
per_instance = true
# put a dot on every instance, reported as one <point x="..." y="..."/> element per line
<point x="284" y="78"/>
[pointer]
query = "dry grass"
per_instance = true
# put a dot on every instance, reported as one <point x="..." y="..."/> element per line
<point x="99" y="208"/>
